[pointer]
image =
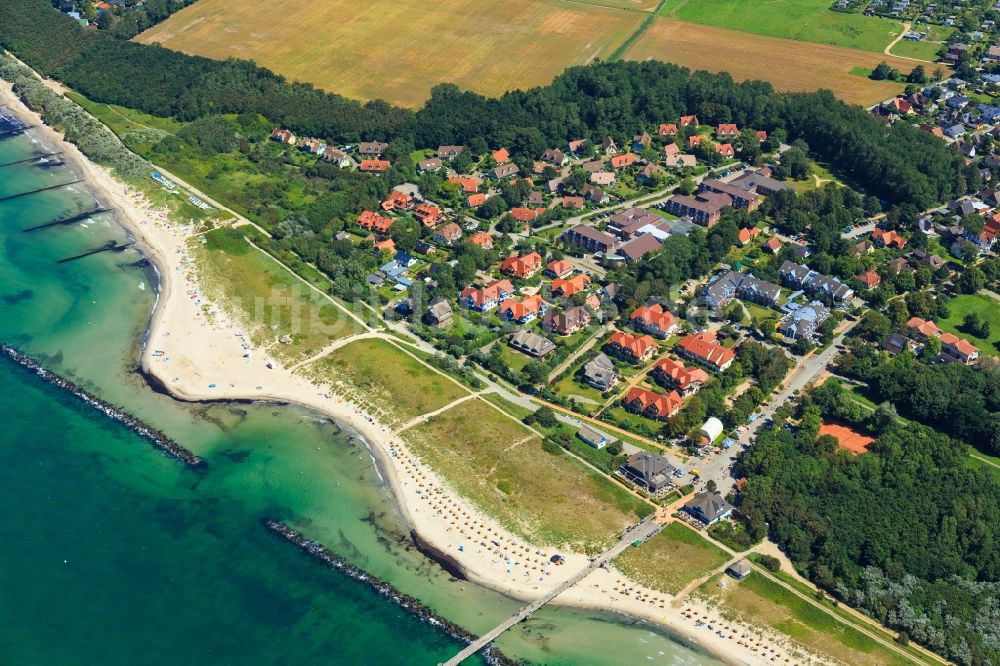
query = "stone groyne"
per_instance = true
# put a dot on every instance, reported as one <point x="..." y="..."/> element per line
<point x="158" y="438"/>
<point x="317" y="550"/>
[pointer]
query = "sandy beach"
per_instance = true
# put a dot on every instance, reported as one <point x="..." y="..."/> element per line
<point x="198" y="351"/>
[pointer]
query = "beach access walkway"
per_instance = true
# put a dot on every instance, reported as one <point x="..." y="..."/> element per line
<point x="645" y="529"/>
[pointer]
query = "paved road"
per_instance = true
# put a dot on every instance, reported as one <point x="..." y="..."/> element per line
<point x="643" y="530"/>
<point x="857" y="232"/>
<point x="718" y="465"/>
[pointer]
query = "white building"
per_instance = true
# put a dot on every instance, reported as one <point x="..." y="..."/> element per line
<point x="711" y="430"/>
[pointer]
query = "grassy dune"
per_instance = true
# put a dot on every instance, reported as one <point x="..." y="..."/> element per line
<point x="500" y="466"/>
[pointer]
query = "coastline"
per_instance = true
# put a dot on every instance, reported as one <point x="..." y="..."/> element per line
<point x="202" y="346"/>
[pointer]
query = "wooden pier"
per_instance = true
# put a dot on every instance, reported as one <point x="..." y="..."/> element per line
<point x="642" y="531"/>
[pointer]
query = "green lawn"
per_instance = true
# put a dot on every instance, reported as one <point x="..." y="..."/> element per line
<point x="760" y="601"/>
<point x="671" y="560"/>
<point x="804" y="20"/>
<point x="987" y="308"/>
<point x="267" y="298"/>
<point x="386" y="378"/>
<point x="927" y="48"/>
<point x="570" y="387"/>
<point x="499" y="465"/>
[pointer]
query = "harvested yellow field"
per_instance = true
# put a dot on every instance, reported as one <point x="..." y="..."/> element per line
<point x="398" y="50"/>
<point x="787" y="64"/>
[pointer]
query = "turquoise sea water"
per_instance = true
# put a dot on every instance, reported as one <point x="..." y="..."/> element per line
<point x="115" y="554"/>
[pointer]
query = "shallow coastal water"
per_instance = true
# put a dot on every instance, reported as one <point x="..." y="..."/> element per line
<point x="117" y="554"/>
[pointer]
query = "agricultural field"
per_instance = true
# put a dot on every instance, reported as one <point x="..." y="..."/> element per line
<point x="987" y="308"/>
<point x="760" y="601"/>
<point x="381" y="374"/>
<point x="500" y="465"/>
<point x="267" y="297"/>
<point x="671" y="560"/>
<point x="801" y="20"/>
<point x="788" y="64"/>
<point x="396" y="50"/>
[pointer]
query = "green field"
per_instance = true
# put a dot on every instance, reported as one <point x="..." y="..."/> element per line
<point x="267" y="298"/>
<point x="500" y="465"/>
<point x="387" y="379"/>
<point x="759" y="601"/>
<point x="927" y="48"/>
<point x="671" y="560"/>
<point x="803" y="20"/>
<point x="987" y="308"/>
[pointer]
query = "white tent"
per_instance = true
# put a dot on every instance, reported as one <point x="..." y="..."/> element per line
<point x="711" y="430"/>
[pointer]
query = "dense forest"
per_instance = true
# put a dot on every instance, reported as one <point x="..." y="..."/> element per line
<point x="909" y="532"/>
<point x="897" y="163"/>
<point x="961" y="400"/>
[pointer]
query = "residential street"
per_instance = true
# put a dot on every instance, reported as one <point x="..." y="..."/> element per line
<point x="718" y="465"/>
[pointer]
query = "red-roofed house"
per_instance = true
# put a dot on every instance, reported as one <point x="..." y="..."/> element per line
<point x="476" y="200"/>
<point x="885" y="238"/>
<point x="576" y="203"/>
<point x="486" y="298"/>
<point x="727" y="130"/>
<point x="673" y="374"/>
<point x="631" y="348"/>
<point x="398" y="201"/>
<point x="725" y="149"/>
<point x="747" y="235"/>
<point x="482" y="239"/>
<point x="667" y="129"/>
<point x="558" y="268"/>
<point x="467" y="183"/>
<point x="522" y="267"/>
<point x="623" y="161"/>
<point x="761" y="136"/>
<point x="688" y="121"/>
<point x="374" y="222"/>
<point x="654" y="320"/>
<point x="922" y="328"/>
<point x="932" y="129"/>
<point x="773" y="245"/>
<point x="428" y="214"/>
<point x="500" y="155"/>
<point x="652" y="405"/>
<point x="387" y="245"/>
<point x="870" y="279"/>
<point x="900" y="105"/>
<point x="574" y="285"/>
<point x="960" y="348"/>
<point x="703" y="348"/>
<point x="375" y="166"/>
<point x="523" y="311"/>
<point x="695" y="140"/>
<point x="526" y="214"/>
<point x="283" y="136"/>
